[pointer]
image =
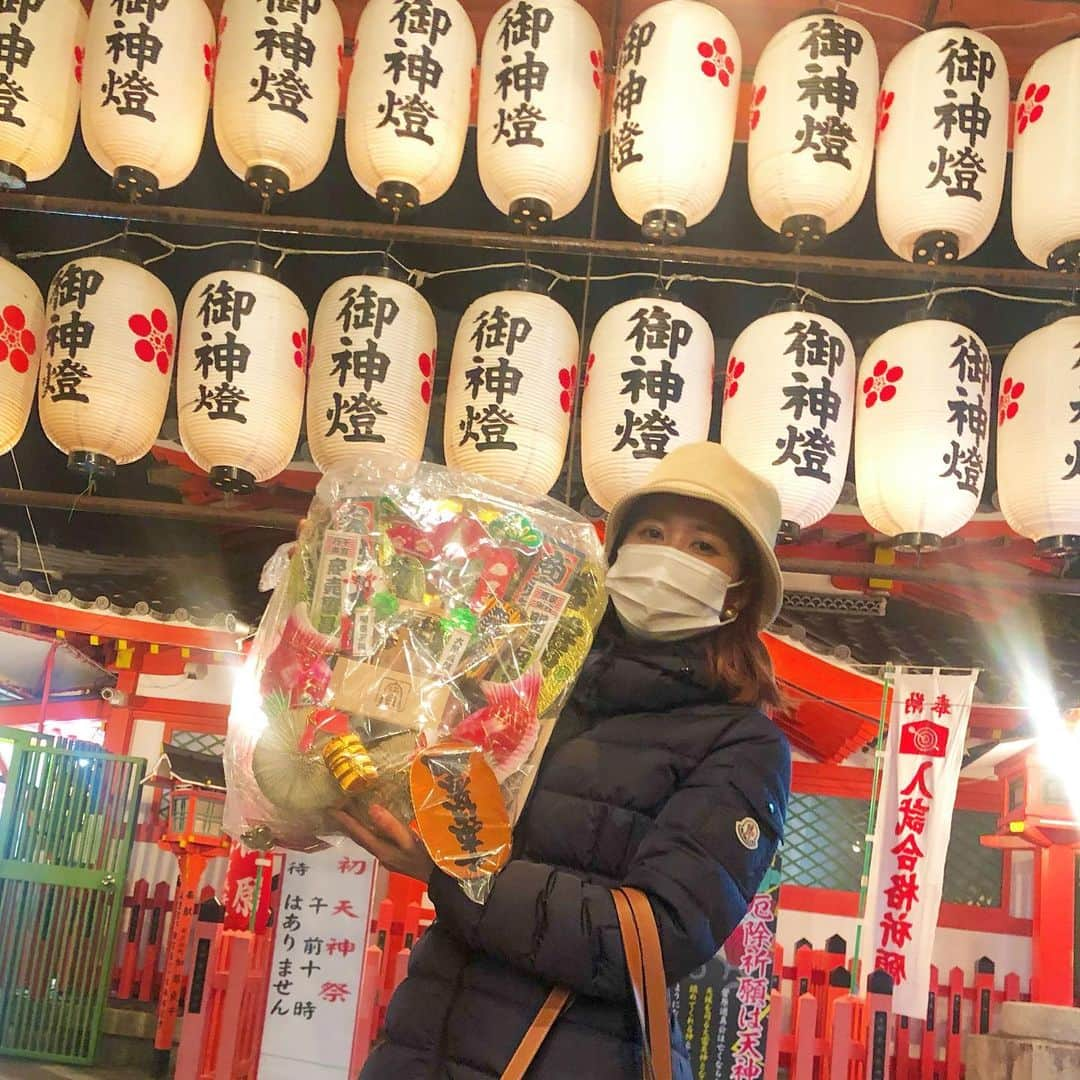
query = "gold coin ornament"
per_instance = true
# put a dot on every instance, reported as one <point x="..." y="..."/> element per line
<point x="427" y="615"/>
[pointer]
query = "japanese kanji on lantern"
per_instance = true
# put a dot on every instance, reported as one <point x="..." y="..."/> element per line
<point x="1038" y="437"/>
<point x="146" y="78"/>
<point x="107" y="362"/>
<point x="42" y="49"/>
<point x="921" y="431"/>
<point x="408" y="109"/>
<point x="240" y="375"/>
<point x="648" y="389"/>
<point x="22" y="332"/>
<point x="513" y="377"/>
<point x="789" y="399"/>
<point x="538" y="113"/>
<point x="1046" y="160"/>
<point x="673" y="116"/>
<point x="813" y="116"/>
<point x="372" y="370"/>
<point x="943" y="130"/>
<point x="276" y="91"/>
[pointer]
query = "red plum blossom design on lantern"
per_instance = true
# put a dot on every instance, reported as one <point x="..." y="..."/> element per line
<point x="717" y="64"/>
<point x="881" y="384"/>
<point x="757" y="96"/>
<point x="17" y="343"/>
<point x="1031" y="108"/>
<point x="153" y="338"/>
<point x="1009" y="400"/>
<point x="884" y="104"/>
<point x="209" y="55"/>
<point x="596" y="58"/>
<point x="300" y="349"/>
<point x="426" y="363"/>
<point x="80" y="56"/>
<point x="568" y="381"/>
<point x="735" y="369"/>
<point x="589" y="366"/>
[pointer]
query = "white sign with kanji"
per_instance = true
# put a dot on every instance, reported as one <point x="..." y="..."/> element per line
<point x="321" y="933"/>
<point x="923" y="755"/>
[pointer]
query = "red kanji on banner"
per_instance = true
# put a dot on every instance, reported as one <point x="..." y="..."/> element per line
<point x="915" y="703"/>
<point x="903" y="892"/>
<point x="892" y="963"/>
<point x="912" y="815"/>
<point x="908" y="853"/>
<point x="241" y="894"/>
<point x="918" y="781"/>
<point x="942" y="706"/>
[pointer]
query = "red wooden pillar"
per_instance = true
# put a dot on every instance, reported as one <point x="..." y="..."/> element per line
<point x="1054" y="917"/>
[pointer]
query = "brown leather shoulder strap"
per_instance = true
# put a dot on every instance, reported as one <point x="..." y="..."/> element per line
<point x="538" y="1031"/>
<point x="656" y="999"/>
<point x="632" y="950"/>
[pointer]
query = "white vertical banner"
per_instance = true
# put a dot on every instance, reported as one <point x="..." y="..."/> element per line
<point x="923" y="755"/>
<point x="319" y="946"/>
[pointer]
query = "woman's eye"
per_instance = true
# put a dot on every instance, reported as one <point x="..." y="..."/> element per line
<point x="651" y="532"/>
<point x="705" y="547"/>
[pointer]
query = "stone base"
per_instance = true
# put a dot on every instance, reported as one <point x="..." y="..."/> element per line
<point x="1035" y="1042"/>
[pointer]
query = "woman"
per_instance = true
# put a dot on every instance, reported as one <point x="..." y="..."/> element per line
<point x="662" y="774"/>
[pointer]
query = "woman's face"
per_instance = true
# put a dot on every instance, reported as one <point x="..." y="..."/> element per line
<point x="694" y="526"/>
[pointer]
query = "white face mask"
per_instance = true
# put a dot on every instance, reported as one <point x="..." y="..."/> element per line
<point x="665" y="594"/>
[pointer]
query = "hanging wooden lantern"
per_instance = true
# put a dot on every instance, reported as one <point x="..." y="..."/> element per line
<point x="648" y="389"/>
<point x="510" y="390"/>
<point x="1046" y="160"/>
<point x="22" y="333"/>
<point x="942" y="141"/>
<point x="1038" y="437"/>
<point x="538" y="113"/>
<point x="107" y="362"/>
<point x="673" y="116"/>
<point x="813" y="117"/>
<point x="147" y="76"/>
<point x="372" y="370"/>
<point x="39" y="88"/>
<point x="276" y="91"/>
<point x="789" y="399"/>
<point x="921" y="431"/>
<point x="408" y="108"/>
<point x="240" y="375"/>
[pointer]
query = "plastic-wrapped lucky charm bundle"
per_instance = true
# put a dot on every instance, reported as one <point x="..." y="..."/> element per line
<point x="415" y="654"/>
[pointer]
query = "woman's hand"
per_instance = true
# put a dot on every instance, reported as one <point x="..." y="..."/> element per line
<point x="388" y="840"/>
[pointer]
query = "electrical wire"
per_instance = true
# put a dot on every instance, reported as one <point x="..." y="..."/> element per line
<point x="33" y="528"/>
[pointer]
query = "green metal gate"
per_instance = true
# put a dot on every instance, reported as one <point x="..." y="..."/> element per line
<point x="67" y="823"/>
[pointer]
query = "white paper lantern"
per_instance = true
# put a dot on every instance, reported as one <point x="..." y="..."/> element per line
<point x="673" y="115"/>
<point x="942" y="140"/>
<point x="146" y="83"/>
<point x="509" y="396"/>
<point x="372" y="370"/>
<point x="813" y="118"/>
<point x="240" y="376"/>
<point x="406" y="122"/>
<point x="39" y="87"/>
<point x="1046" y="160"/>
<point x="789" y="399"/>
<point x="276" y="91"/>
<point x="538" y="112"/>
<point x="22" y="333"/>
<point x="648" y="389"/>
<point x="107" y="362"/>
<point x="921" y="431"/>
<point x="1038" y="437"/>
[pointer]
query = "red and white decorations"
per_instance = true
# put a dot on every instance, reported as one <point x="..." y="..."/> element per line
<point x="505" y="410"/>
<point x="789" y="400"/>
<point x="372" y="365"/>
<point x="921" y="430"/>
<point x="40" y="99"/>
<point x="648" y="389"/>
<point x="813" y="114"/>
<point x="146" y="94"/>
<point x="22" y="333"/>
<point x="1038" y="437"/>
<point x="408" y="109"/>
<point x="942" y="145"/>
<point x="240" y="376"/>
<point x="673" y="116"/>
<point x="923" y="756"/>
<point x="276" y="91"/>
<point x="106" y="367"/>
<point x="1046" y="160"/>
<point x="538" y="113"/>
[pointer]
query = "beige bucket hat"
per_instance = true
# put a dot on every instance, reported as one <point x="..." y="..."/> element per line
<point x="709" y="471"/>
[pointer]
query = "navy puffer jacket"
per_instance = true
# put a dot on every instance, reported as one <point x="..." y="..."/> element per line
<point x="649" y="781"/>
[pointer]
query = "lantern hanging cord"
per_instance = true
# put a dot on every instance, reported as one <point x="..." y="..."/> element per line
<point x="842" y="5"/>
<point x="46" y="573"/>
<point x="418" y="275"/>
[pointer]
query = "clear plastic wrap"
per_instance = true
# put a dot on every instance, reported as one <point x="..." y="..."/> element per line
<point x="415" y="654"/>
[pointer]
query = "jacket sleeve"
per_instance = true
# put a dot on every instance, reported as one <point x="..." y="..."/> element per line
<point x="699" y="865"/>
